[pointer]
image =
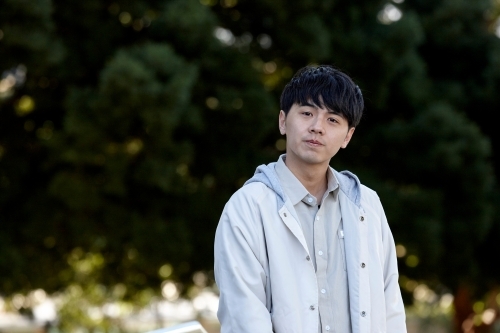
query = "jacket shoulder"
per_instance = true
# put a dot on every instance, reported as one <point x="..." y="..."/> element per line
<point x="370" y="197"/>
<point x="251" y="193"/>
<point x="246" y="203"/>
<point x="368" y="192"/>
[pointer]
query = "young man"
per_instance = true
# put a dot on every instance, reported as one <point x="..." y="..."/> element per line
<point x="302" y="248"/>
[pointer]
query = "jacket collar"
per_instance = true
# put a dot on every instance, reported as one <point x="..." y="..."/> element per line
<point x="348" y="183"/>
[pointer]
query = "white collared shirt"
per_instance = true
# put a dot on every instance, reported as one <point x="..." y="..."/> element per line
<point x="321" y="224"/>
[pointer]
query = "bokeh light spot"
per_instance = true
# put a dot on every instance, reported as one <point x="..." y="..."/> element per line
<point x="182" y="169"/>
<point x="134" y="146"/>
<point x="169" y="290"/>
<point x="209" y="181"/>
<point x="200" y="279"/>
<point x="119" y="290"/>
<point x="488" y="316"/>
<point x="412" y="261"/>
<point x="264" y="41"/>
<point x="400" y="250"/>
<point x="165" y="271"/>
<point x="237" y="103"/>
<point x="270" y="67"/>
<point x="225" y="36"/>
<point x="25" y="105"/>
<point x="18" y="301"/>
<point x="389" y="14"/>
<point x="467" y="325"/>
<point x="125" y="18"/>
<point x="49" y="242"/>
<point x="138" y="25"/>
<point x="228" y="3"/>
<point x="478" y="307"/>
<point x="132" y="254"/>
<point x="212" y="103"/>
<point x="410" y="285"/>
<point x="45" y="132"/>
<point x="446" y="301"/>
<point x="280" y="144"/>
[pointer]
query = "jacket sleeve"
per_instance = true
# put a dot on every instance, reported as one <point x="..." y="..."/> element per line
<point x="239" y="271"/>
<point x="395" y="311"/>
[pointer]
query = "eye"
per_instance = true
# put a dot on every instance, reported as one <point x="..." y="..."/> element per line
<point x="307" y="113"/>
<point x="333" y="120"/>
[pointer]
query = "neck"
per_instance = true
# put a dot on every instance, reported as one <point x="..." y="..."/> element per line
<point x="313" y="177"/>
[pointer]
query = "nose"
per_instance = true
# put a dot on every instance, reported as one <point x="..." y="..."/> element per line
<point x="316" y="126"/>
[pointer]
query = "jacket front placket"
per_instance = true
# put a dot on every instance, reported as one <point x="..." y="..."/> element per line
<point x="356" y="247"/>
<point x="289" y="217"/>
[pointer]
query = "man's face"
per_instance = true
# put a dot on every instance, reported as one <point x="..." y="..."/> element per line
<point x="313" y="134"/>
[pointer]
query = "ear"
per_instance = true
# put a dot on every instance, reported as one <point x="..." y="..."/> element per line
<point x="282" y="122"/>
<point x="348" y="137"/>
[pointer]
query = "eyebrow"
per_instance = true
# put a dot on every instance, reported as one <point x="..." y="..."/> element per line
<point x="318" y="107"/>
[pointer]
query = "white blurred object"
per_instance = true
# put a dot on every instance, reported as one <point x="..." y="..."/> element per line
<point x="45" y="311"/>
<point x="190" y="327"/>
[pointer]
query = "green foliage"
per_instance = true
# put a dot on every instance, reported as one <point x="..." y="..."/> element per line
<point x="127" y="159"/>
<point x="447" y="157"/>
<point x="29" y="33"/>
<point x="135" y="125"/>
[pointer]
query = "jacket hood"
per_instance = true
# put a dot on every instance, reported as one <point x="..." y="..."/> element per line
<point x="266" y="174"/>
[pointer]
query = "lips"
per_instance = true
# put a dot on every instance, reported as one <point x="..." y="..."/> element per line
<point x="314" y="142"/>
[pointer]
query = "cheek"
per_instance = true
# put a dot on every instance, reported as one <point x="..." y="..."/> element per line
<point x="339" y="141"/>
<point x="290" y="131"/>
<point x="297" y="129"/>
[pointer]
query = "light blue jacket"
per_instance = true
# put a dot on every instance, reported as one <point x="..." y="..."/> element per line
<point x="267" y="285"/>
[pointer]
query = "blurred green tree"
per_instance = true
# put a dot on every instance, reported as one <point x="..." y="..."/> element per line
<point x="138" y="119"/>
<point x="126" y="146"/>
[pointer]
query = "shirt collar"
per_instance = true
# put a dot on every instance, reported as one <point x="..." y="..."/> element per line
<point x="295" y="190"/>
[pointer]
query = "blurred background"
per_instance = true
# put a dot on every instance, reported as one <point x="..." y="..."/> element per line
<point x="126" y="125"/>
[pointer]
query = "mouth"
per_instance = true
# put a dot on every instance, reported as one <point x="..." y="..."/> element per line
<point x="314" y="143"/>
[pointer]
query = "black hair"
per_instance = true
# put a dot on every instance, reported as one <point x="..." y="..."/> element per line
<point x="324" y="86"/>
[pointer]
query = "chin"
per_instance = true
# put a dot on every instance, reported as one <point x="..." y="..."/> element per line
<point x="310" y="157"/>
<point x="313" y="159"/>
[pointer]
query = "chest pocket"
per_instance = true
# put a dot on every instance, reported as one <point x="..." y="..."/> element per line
<point x="340" y="234"/>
